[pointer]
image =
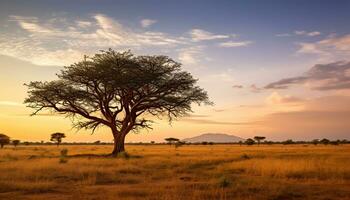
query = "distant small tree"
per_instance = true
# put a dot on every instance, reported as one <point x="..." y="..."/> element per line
<point x="288" y="142"/>
<point x="171" y="140"/>
<point x="325" y="141"/>
<point x="249" y="141"/>
<point x="179" y="144"/>
<point x="315" y="141"/>
<point x="97" y="142"/>
<point x="240" y="143"/>
<point x="336" y="142"/>
<point x="259" y="138"/>
<point x="57" y="138"/>
<point x="268" y="142"/>
<point x="153" y="142"/>
<point x="344" y="141"/>
<point x="15" y="142"/>
<point x="4" y="139"/>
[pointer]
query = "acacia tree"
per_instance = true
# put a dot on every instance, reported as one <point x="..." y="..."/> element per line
<point x="4" y="139"/>
<point x="57" y="137"/>
<point x="259" y="139"/>
<point x="249" y="141"/>
<point x="171" y="140"/>
<point x="15" y="142"/>
<point x="118" y="90"/>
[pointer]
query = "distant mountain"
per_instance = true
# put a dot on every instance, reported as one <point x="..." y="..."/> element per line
<point x="214" y="137"/>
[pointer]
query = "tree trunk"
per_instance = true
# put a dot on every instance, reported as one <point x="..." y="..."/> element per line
<point x="119" y="140"/>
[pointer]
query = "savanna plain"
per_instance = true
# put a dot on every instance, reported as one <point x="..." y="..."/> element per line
<point x="271" y="172"/>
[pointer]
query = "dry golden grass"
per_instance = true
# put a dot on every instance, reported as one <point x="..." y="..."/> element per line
<point x="273" y="172"/>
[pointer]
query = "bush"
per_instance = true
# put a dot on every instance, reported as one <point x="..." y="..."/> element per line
<point x="64" y="152"/>
<point x="224" y="182"/>
<point x="249" y="141"/>
<point x="288" y="142"/>
<point x="245" y="157"/>
<point x="63" y="157"/>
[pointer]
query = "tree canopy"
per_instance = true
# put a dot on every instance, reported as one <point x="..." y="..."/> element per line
<point x="118" y="90"/>
<point x="4" y="139"/>
<point x="57" y="137"/>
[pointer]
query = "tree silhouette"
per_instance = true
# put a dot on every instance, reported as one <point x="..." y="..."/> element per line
<point x="325" y="141"/>
<point x="287" y="142"/>
<point x="259" y="138"/>
<point x="249" y="141"/>
<point x="57" y="138"/>
<point x="315" y="141"/>
<point x="171" y="140"/>
<point x="4" y="139"/>
<point x="15" y="142"/>
<point x="118" y="90"/>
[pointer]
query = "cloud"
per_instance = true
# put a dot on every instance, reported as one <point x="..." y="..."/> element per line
<point x="313" y="33"/>
<point x="190" y="55"/>
<point x="145" y="23"/>
<point x="300" y="33"/>
<point x="235" y="44"/>
<point x="276" y="98"/>
<point x="238" y="86"/>
<point x="63" y="41"/>
<point x="332" y="48"/>
<point x="200" y="35"/>
<point x="332" y="76"/>
<point x="321" y="117"/>
<point x="47" y="42"/>
<point x="283" y="35"/>
<point x="255" y="89"/>
<point x="84" y="24"/>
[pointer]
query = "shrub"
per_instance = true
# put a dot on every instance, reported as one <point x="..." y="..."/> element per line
<point x="63" y="157"/>
<point x="64" y="152"/>
<point x="288" y="142"/>
<point x="245" y="157"/>
<point x="224" y="182"/>
<point x="249" y="141"/>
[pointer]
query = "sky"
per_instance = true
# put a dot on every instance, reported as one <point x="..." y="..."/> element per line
<point x="280" y="69"/>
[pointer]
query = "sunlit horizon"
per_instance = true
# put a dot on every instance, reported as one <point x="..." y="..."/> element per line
<point x="280" y="71"/>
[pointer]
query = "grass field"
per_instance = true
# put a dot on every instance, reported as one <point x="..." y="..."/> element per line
<point x="273" y="172"/>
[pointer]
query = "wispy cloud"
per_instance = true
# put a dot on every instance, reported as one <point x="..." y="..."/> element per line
<point x="190" y="55"/>
<point x="200" y="35"/>
<point x="145" y="23"/>
<point x="331" y="76"/>
<point x="235" y="43"/>
<point x="332" y="48"/>
<point x="255" y="89"/>
<point x="64" y="41"/>
<point x="283" y="35"/>
<point x="237" y="86"/>
<point x="300" y="33"/>
<point x="277" y="98"/>
<point x="312" y="33"/>
<point x="46" y="42"/>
